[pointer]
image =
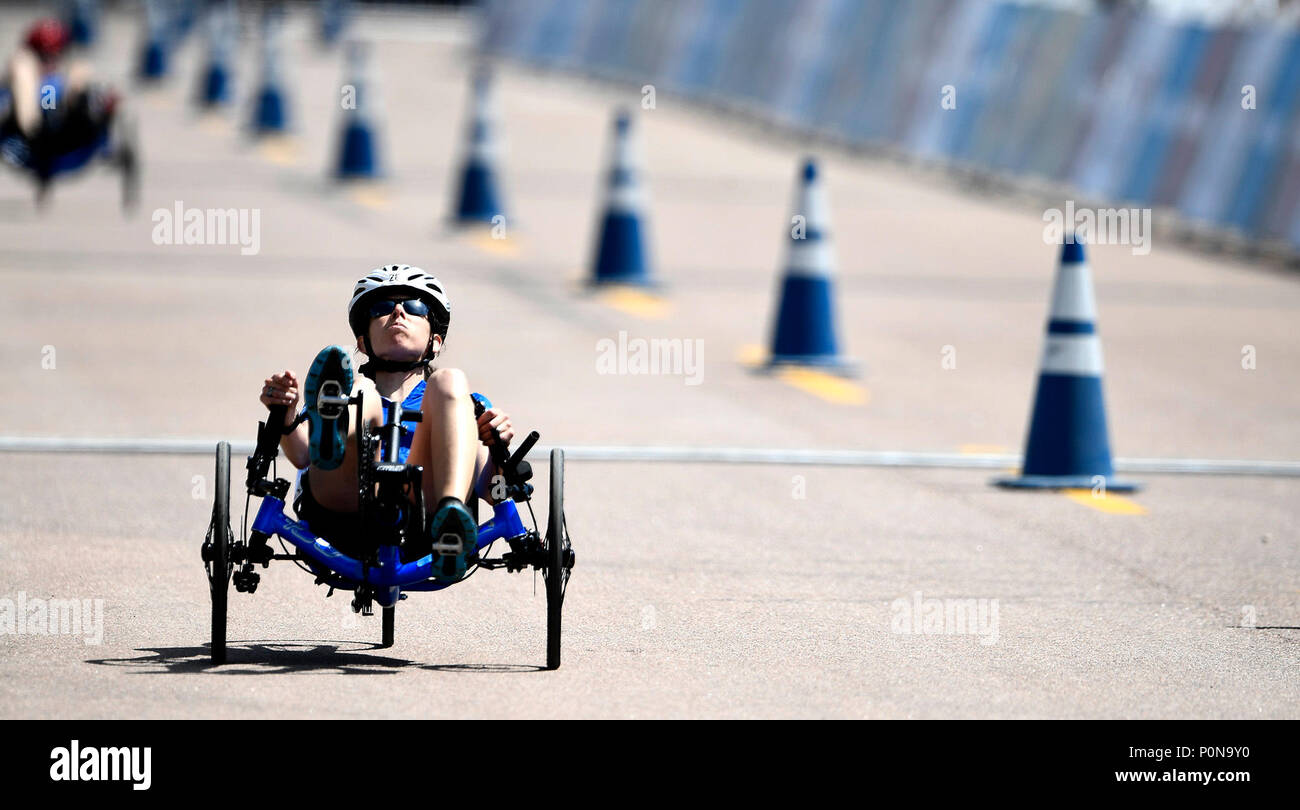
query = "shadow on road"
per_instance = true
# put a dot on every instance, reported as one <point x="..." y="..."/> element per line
<point x="484" y="668"/>
<point x="271" y="657"/>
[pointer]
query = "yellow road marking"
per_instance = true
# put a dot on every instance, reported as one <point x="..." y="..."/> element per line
<point x="827" y="386"/>
<point x="1109" y="502"/>
<point x="636" y="302"/>
<point x="279" y="149"/>
<point x="751" y="354"/>
<point x="369" y="195"/>
<point x="505" y="246"/>
<point x="830" y="387"/>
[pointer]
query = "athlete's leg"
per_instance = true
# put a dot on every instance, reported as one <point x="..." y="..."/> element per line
<point x="446" y="441"/>
<point x="336" y="489"/>
<point x="76" y="80"/>
<point x="24" y="80"/>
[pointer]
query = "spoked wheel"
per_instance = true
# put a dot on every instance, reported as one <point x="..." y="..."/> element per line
<point x="216" y="553"/>
<point x="389" y="615"/>
<point x="559" y="558"/>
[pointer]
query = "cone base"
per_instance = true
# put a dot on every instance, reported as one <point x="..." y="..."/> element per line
<point x="216" y="88"/>
<point x="620" y="255"/>
<point x="357" y="155"/>
<point x="477" y="200"/>
<point x="270" y="115"/>
<point x="639" y="282"/>
<point x="844" y="366"/>
<point x="1065" y="482"/>
<point x="153" y="63"/>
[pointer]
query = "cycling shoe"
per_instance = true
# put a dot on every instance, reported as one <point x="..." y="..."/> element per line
<point x="454" y="538"/>
<point x="329" y="384"/>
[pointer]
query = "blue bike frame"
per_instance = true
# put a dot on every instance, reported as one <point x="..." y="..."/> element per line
<point x="389" y="575"/>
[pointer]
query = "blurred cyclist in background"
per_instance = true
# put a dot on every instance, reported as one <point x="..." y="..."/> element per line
<point x="53" y="119"/>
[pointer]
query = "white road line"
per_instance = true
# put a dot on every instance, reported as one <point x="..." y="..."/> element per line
<point x="695" y="455"/>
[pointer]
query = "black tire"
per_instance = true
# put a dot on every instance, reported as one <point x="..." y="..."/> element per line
<point x="220" y="565"/>
<point x="128" y="162"/>
<point x="555" y="551"/>
<point x="389" y="615"/>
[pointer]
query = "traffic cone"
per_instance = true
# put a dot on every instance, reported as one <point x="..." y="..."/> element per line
<point x="215" y="81"/>
<point x="805" y="332"/>
<point x="183" y="16"/>
<point x="357" y="143"/>
<point x="82" y="17"/>
<point x="477" y="200"/>
<point x="620" y="248"/>
<point x="271" y="106"/>
<point x="1068" y="445"/>
<point x="333" y="19"/>
<point x="153" y="54"/>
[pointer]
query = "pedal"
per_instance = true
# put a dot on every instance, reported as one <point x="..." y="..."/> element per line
<point x="454" y="545"/>
<point x="331" y="400"/>
<point x="246" y="581"/>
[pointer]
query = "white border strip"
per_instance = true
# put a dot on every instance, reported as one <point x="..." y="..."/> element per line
<point x="696" y="455"/>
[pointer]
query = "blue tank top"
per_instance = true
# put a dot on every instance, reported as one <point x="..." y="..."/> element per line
<point x="50" y="94"/>
<point x="412" y="402"/>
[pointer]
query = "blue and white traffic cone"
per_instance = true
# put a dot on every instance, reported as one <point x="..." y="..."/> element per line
<point x="334" y="16"/>
<point x="477" y="200"/>
<point x="270" y="102"/>
<point x="805" y="331"/>
<point x="1068" y="445"/>
<point x="215" y="82"/>
<point x="153" y="53"/>
<point x="184" y="15"/>
<point x="82" y="18"/>
<point x="357" y="155"/>
<point x="621" y="251"/>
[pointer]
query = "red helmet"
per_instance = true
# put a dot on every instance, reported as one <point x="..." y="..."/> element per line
<point x="47" y="38"/>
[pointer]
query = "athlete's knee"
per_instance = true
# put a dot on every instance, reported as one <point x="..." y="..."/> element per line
<point x="447" y="384"/>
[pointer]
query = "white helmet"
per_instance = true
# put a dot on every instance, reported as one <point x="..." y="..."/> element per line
<point x="384" y="280"/>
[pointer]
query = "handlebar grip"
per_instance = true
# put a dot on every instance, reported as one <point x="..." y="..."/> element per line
<point x="268" y="436"/>
<point x="276" y="419"/>
<point x="524" y="448"/>
<point x="275" y="423"/>
<point x="496" y="449"/>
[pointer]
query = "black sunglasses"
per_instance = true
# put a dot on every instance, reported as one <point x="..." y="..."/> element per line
<point x="412" y="306"/>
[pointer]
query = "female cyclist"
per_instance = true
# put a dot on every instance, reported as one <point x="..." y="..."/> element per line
<point x="399" y="315"/>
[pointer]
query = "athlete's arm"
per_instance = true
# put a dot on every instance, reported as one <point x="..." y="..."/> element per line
<point x="282" y="389"/>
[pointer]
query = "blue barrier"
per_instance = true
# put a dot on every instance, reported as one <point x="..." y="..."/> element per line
<point x="1276" y="108"/>
<point x="1118" y="104"/>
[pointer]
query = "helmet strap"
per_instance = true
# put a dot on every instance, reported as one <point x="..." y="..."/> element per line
<point x="375" y="363"/>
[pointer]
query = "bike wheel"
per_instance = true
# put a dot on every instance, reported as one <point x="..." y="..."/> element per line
<point x="556" y="548"/>
<point x="389" y="615"/>
<point x="217" y="547"/>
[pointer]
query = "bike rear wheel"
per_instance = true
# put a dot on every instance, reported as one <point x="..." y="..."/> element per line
<point x="556" y="549"/>
<point x="217" y="548"/>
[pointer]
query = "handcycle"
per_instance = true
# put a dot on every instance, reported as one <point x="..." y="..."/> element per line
<point x="115" y="143"/>
<point x="391" y="500"/>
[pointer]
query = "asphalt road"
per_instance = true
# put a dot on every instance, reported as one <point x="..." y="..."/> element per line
<point x="700" y="590"/>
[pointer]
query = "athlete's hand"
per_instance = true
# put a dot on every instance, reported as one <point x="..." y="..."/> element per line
<point x="495" y="424"/>
<point x="281" y="389"/>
